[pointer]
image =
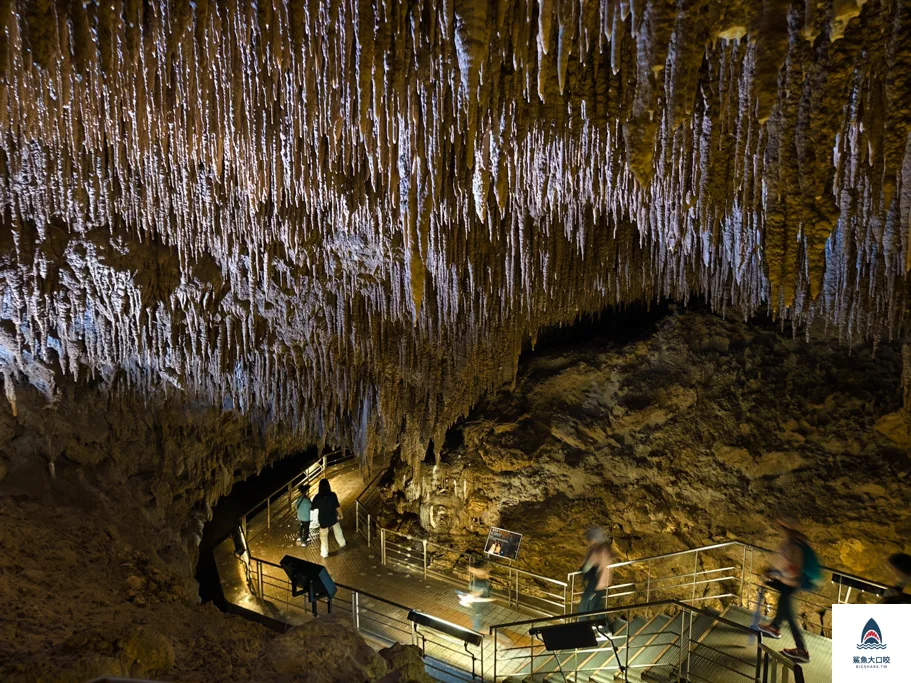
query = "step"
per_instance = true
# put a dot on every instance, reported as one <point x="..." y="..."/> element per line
<point x="590" y="658"/>
<point x="666" y="664"/>
<point x="641" y="637"/>
<point x="722" y="654"/>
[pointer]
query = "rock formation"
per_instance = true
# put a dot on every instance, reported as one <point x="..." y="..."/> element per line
<point x="347" y="216"/>
<point x="232" y="229"/>
<point x="700" y="431"/>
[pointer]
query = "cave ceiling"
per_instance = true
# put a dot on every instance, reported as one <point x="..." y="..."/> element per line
<point x="346" y="216"/>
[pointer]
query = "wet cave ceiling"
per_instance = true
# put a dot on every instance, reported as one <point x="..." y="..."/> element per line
<point x="348" y="216"/>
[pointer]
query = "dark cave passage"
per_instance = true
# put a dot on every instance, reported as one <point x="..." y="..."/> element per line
<point x="244" y="495"/>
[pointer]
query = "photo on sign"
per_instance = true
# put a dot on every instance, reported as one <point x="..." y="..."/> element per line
<point x="503" y="543"/>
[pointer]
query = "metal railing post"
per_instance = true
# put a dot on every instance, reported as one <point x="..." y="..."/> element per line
<point x="517" y="590"/>
<point x="648" y="582"/>
<point x="325" y="461"/>
<point x="689" y="648"/>
<point x="357" y="516"/>
<point x="424" y="542"/>
<point x="382" y="546"/>
<point x="259" y="580"/>
<point x="743" y="569"/>
<point x="565" y="611"/>
<point x="243" y="525"/>
<point x="531" y="652"/>
<point x="356" y="609"/>
<point x="629" y="644"/>
<point x="368" y="530"/>
<point x="290" y="500"/>
<point x="268" y="513"/>
<point x="695" y="569"/>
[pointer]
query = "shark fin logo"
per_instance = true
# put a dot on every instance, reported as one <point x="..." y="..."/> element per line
<point x="872" y="637"/>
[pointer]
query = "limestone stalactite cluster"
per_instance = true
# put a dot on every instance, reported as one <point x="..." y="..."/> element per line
<point x="348" y="215"/>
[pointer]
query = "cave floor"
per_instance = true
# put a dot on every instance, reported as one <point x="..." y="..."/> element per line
<point x="359" y="566"/>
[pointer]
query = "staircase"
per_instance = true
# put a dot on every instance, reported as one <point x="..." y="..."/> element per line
<point x="662" y="642"/>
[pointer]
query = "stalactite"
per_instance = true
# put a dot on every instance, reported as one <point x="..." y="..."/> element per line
<point x="349" y="216"/>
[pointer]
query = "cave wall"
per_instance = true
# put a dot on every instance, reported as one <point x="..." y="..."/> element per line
<point x="350" y="215"/>
<point x="155" y="468"/>
<point x="697" y="431"/>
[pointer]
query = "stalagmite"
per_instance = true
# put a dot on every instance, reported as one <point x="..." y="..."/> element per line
<point x="350" y="216"/>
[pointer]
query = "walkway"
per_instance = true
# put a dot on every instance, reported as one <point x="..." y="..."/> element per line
<point x="356" y="565"/>
<point x="360" y="566"/>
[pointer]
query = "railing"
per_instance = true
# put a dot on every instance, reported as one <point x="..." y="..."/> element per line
<point x="774" y="667"/>
<point x="712" y="575"/>
<point x="365" y="523"/>
<point x="718" y="574"/>
<point x="308" y="476"/>
<point x="678" y="647"/>
<point x="381" y="620"/>
<point x="517" y="587"/>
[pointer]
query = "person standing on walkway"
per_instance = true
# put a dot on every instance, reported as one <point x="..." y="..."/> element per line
<point x="330" y="514"/>
<point x="303" y="514"/>
<point x="787" y="575"/>
<point x="596" y="571"/>
<point x="900" y="564"/>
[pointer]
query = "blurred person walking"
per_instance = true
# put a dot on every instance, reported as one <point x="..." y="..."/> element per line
<point x="478" y="590"/>
<point x="795" y="567"/>
<point x="329" y="511"/>
<point x="596" y="571"/>
<point x="900" y="564"/>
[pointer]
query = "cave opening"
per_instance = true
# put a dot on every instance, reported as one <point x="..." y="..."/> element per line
<point x="230" y="508"/>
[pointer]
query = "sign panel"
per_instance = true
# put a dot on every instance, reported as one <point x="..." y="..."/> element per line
<point x="503" y="543"/>
<point x="871" y="643"/>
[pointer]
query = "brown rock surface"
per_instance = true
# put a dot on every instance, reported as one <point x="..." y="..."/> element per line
<point x="97" y="558"/>
<point x="671" y="443"/>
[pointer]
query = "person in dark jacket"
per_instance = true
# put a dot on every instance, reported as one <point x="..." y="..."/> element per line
<point x="900" y="564"/>
<point x="329" y="516"/>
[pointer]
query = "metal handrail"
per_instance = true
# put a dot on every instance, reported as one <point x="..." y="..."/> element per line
<point x="638" y="606"/>
<point x="727" y="544"/>
<point x="762" y="652"/>
<point x="386" y="621"/>
<point x="340" y="585"/>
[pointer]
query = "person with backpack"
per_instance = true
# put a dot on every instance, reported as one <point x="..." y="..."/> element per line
<point x="330" y="514"/>
<point x="304" y="506"/>
<point x="795" y="567"/>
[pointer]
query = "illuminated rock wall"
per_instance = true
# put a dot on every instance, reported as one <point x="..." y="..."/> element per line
<point x="348" y="215"/>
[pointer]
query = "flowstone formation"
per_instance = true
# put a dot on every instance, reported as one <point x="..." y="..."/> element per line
<point x="699" y="431"/>
<point x="348" y="216"/>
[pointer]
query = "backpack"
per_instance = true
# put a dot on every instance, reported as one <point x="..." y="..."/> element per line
<point x="812" y="570"/>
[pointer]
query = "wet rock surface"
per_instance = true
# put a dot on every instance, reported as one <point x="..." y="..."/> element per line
<point x="700" y="431"/>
